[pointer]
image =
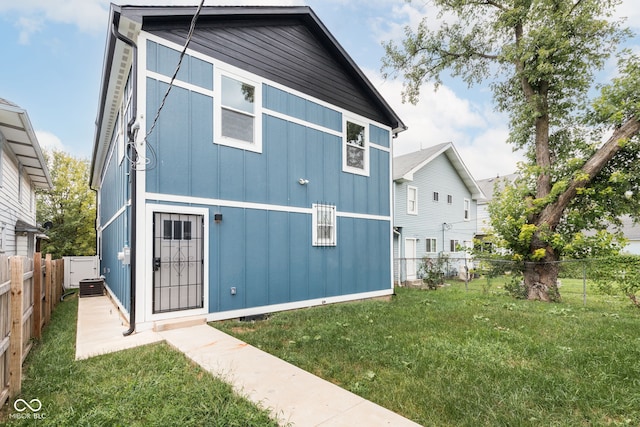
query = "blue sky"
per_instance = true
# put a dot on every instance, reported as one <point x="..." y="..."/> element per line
<point x="52" y="52"/>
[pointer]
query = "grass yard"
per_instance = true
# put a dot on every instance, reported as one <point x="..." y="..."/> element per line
<point x="454" y="357"/>
<point x="147" y="386"/>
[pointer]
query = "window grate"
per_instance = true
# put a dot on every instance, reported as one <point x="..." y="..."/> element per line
<point x="324" y="224"/>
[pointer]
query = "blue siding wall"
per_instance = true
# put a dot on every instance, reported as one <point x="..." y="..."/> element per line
<point x="114" y="194"/>
<point x="268" y="257"/>
<point x="267" y="254"/>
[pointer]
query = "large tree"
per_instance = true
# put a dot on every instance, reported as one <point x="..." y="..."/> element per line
<point x="70" y="207"/>
<point x="582" y="168"/>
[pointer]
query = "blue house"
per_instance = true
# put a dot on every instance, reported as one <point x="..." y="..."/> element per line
<point x="435" y="210"/>
<point x="261" y="181"/>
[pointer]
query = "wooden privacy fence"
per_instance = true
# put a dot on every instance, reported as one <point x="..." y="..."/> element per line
<point x="29" y="291"/>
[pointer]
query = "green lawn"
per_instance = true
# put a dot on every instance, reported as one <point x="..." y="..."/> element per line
<point x="147" y="386"/>
<point x="456" y="357"/>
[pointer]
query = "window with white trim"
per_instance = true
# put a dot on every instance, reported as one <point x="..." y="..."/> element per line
<point x="449" y="199"/>
<point x="238" y="116"/>
<point x="453" y="245"/>
<point x="467" y="209"/>
<point x="412" y="200"/>
<point x="436" y="196"/>
<point x="355" y="154"/>
<point x="323" y="218"/>
<point x="431" y="245"/>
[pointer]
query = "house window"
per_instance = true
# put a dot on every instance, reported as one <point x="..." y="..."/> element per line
<point x="436" y="196"/>
<point x="324" y="224"/>
<point x="356" y="148"/>
<point x="431" y="245"/>
<point x="467" y="210"/>
<point x="412" y="200"/>
<point x="449" y="199"/>
<point x="238" y="113"/>
<point x="453" y="245"/>
<point x="2" y="228"/>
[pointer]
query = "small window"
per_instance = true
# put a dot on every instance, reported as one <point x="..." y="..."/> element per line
<point x="237" y="113"/>
<point x="431" y="245"/>
<point x="176" y="230"/>
<point x="412" y="200"/>
<point x="453" y="245"/>
<point x="436" y="196"/>
<point x="356" y="148"/>
<point x="449" y="199"/>
<point x="324" y="225"/>
<point x="167" y="225"/>
<point x="467" y="209"/>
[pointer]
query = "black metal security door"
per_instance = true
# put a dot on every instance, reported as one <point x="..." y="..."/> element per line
<point x="178" y="262"/>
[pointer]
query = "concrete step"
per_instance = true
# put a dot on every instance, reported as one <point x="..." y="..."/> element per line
<point x="181" y="322"/>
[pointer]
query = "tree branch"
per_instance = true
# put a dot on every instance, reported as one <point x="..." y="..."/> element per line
<point x="551" y="214"/>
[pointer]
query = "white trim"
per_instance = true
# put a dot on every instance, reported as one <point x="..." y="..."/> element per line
<point x="349" y="118"/>
<point x="434" y="246"/>
<point x="153" y="197"/>
<point x="333" y="238"/>
<point x="179" y="83"/>
<point x="301" y="122"/>
<point x="379" y="147"/>
<point x="243" y="77"/>
<point x="413" y="211"/>
<point x="147" y="289"/>
<point x="466" y="210"/>
<point x="222" y="315"/>
<point x="115" y="216"/>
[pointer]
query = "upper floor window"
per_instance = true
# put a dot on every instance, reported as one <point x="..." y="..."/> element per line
<point x="467" y="209"/>
<point x="356" y="148"/>
<point x="436" y="196"/>
<point x="412" y="200"/>
<point x="449" y="198"/>
<point x="323" y="218"/>
<point x="237" y="113"/>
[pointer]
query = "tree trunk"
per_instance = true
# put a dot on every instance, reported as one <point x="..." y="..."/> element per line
<point x="541" y="281"/>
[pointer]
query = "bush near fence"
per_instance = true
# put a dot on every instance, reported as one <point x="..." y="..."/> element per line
<point x="29" y="291"/>
<point x="603" y="275"/>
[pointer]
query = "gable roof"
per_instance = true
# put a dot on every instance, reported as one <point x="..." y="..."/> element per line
<point x="488" y="186"/>
<point x="405" y="166"/>
<point x="217" y="29"/>
<point x="16" y="131"/>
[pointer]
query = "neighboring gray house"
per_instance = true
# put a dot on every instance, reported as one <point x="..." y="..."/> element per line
<point x="488" y="187"/>
<point x="435" y="199"/>
<point x="22" y="170"/>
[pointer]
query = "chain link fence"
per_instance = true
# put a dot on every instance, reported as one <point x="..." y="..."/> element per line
<point x="577" y="279"/>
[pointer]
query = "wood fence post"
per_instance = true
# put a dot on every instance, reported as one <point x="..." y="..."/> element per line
<point x="48" y="287"/>
<point x="37" y="295"/>
<point x="15" y="342"/>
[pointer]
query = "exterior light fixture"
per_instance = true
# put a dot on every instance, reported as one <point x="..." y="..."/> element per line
<point x="217" y="218"/>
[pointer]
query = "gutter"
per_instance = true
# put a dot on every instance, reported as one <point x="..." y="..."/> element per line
<point x="132" y="130"/>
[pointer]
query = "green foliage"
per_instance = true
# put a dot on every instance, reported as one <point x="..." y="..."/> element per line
<point x="432" y="271"/>
<point x="617" y="274"/>
<point x="70" y="206"/>
<point x="540" y="57"/>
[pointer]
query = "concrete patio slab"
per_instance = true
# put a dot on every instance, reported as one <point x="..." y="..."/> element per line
<point x="292" y="395"/>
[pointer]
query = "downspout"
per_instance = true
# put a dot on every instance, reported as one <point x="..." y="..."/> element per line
<point x="132" y="131"/>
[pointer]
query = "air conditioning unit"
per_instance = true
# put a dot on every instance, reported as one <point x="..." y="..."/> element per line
<point x="91" y="287"/>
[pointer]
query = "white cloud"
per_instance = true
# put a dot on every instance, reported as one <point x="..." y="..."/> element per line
<point x="49" y="141"/>
<point x="477" y="132"/>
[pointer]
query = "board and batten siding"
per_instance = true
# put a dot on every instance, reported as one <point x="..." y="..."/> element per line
<point x="263" y="245"/>
<point x="439" y="175"/>
<point x="282" y="50"/>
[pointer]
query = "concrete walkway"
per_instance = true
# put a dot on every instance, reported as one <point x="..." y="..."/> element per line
<point x="292" y="395"/>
